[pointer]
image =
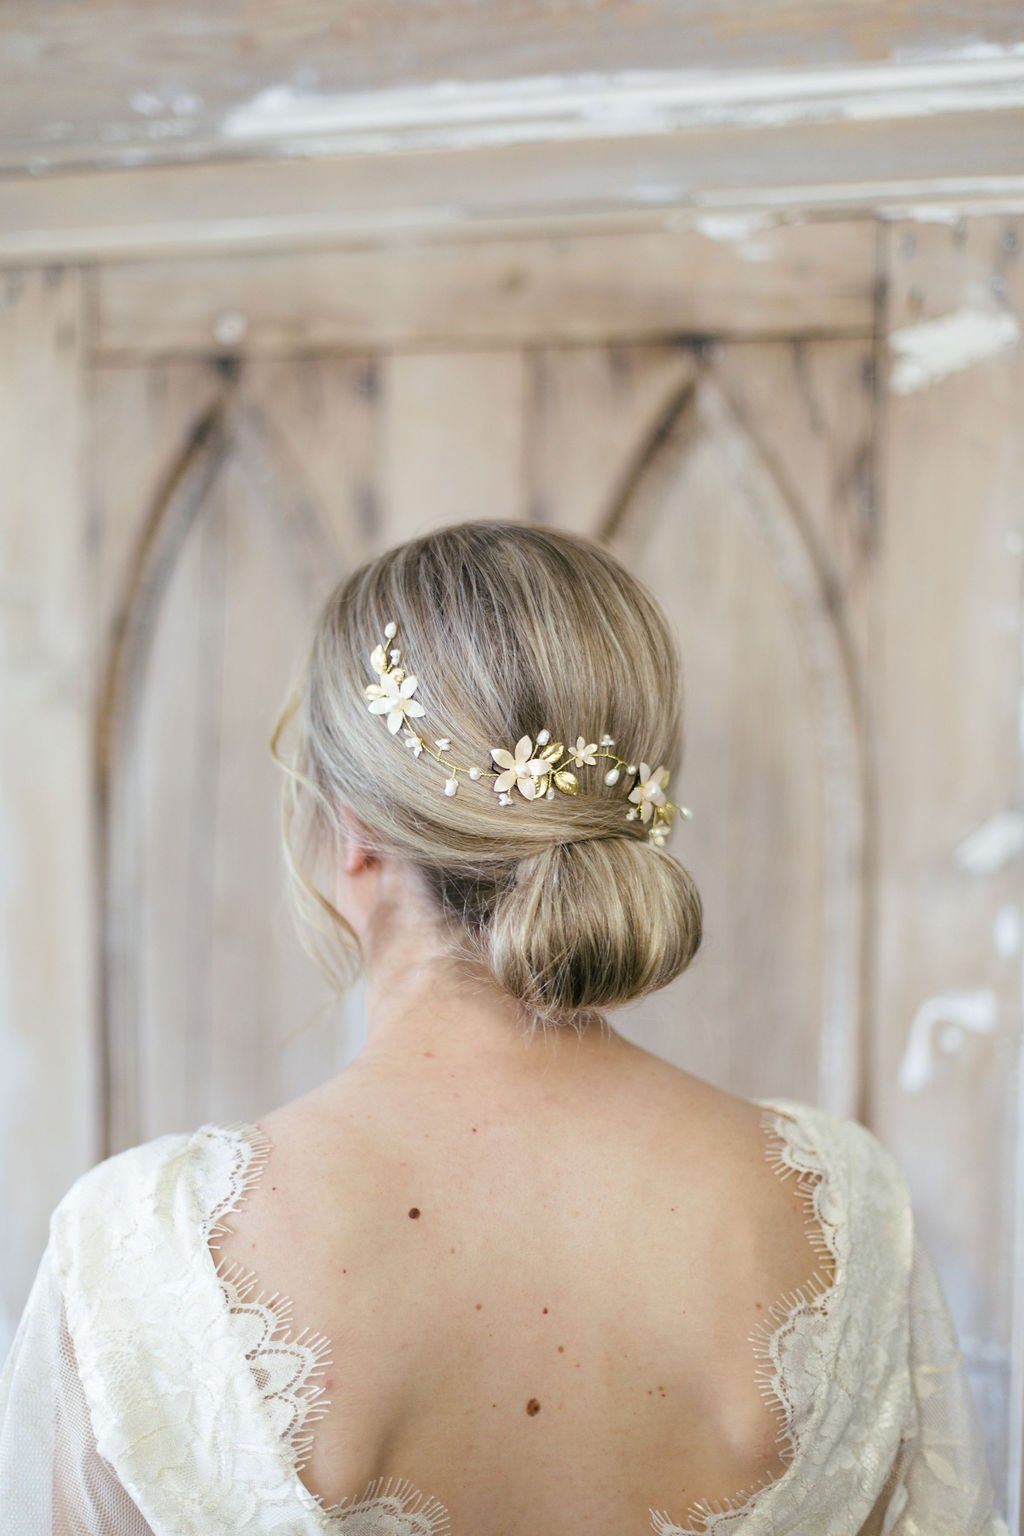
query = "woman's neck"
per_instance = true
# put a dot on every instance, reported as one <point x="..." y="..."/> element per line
<point x="424" y="1008"/>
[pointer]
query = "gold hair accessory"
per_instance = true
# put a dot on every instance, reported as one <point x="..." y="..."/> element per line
<point x="536" y="768"/>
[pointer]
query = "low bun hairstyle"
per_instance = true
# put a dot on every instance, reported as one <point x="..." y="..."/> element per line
<point x="509" y="628"/>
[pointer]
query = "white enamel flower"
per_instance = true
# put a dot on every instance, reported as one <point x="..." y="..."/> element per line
<point x="584" y="752"/>
<point x="413" y="742"/>
<point x="396" y="701"/>
<point x="522" y="771"/>
<point x="649" y="791"/>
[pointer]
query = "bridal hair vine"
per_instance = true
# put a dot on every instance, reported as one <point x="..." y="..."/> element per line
<point x="538" y="768"/>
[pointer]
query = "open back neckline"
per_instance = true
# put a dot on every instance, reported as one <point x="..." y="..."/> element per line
<point x="287" y="1366"/>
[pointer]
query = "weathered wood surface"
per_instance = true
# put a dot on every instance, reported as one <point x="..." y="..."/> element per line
<point x="782" y="279"/>
<point x="213" y="552"/>
<point x="943" y="689"/>
<point x="832" y="521"/>
<point x="775" y="769"/>
<point x="846" y="161"/>
<point x="102" y="83"/>
<point x="49" y="1061"/>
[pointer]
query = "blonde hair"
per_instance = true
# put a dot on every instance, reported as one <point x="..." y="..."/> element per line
<point x="509" y="628"/>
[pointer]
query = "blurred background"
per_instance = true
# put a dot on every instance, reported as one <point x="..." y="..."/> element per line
<point x="736" y="289"/>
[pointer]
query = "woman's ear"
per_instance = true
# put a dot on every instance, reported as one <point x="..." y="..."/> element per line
<point x="355" y="855"/>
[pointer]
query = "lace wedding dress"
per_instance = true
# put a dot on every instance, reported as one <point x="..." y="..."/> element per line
<point x="152" y="1391"/>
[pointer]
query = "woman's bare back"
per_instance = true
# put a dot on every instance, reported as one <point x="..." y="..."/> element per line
<point x="539" y="1297"/>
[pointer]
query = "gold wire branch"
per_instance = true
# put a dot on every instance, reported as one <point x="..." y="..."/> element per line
<point x="538" y="767"/>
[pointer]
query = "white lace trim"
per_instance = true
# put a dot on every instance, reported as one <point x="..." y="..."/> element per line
<point x="286" y="1367"/>
<point x="773" y="1337"/>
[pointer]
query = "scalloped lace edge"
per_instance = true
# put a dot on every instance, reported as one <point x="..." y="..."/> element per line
<point x="768" y="1337"/>
<point x="300" y="1398"/>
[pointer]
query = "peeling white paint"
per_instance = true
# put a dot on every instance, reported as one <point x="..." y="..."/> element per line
<point x="230" y="328"/>
<point x="624" y="103"/>
<point x="155" y="103"/>
<point x="740" y="231"/>
<point x="1006" y="932"/>
<point x="925" y="213"/>
<point x="145" y="103"/>
<point x="970" y="48"/>
<point x="991" y="845"/>
<point x="932" y="349"/>
<point x="657" y="192"/>
<point x="736" y="226"/>
<point x="945" y="1020"/>
<point x="987" y="194"/>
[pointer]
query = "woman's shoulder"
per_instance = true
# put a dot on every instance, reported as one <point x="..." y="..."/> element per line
<point x="844" y="1136"/>
<point x="812" y="1137"/>
<point x="173" y="1404"/>
<point x="864" y="1190"/>
<point x="181" y="1182"/>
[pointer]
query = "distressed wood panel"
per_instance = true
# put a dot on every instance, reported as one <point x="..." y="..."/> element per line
<point x="215" y="567"/>
<point x="452" y="444"/>
<point x="49" y="1099"/>
<point x="787" y="279"/>
<point x="850" y="161"/>
<point x="928" y="282"/>
<point x="944" y="692"/>
<point x="809" y="409"/>
<point x="574" y="474"/>
<point x="773" y="769"/>
<point x="167" y="83"/>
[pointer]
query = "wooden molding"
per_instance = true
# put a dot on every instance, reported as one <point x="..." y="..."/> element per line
<point x="729" y="279"/>
<point x="186" y="82"/>
<point x="290" y="168"/>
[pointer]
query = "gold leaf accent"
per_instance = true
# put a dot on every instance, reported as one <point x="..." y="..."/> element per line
<point x="565" y="780"/>
<point x="552" y="752"/>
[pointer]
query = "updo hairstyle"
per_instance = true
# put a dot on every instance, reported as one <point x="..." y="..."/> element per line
<point x="509" y="628"/>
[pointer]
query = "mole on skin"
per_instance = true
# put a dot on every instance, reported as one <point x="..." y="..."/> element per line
<point x="414" y="1212"/>
<point x="533" y="1407"/>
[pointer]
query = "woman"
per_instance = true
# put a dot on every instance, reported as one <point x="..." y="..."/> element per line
<point x="558" y="1286"/>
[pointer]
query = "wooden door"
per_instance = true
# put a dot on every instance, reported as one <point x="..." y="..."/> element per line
<point x="772" y="439"/>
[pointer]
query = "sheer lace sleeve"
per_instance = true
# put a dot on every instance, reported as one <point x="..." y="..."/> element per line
<point x="53" y="1480"/>
<point x="944" y="1486"/>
